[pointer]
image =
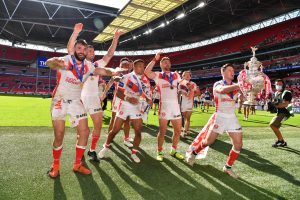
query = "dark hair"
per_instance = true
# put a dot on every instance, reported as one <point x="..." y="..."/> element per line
<point x="124" y="59"/>
<point x="91" y="46"/>
<point x="282" y="81"/>
<point x="81" y="41"/>
<point x="138" y="61"/>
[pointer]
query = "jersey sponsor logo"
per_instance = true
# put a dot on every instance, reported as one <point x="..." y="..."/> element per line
<point x="175" y="116"/>
<point x="165" y="85"/>
<point x="227" y="100"/>
<point x="138" y="115"/>
<point x="97" y="109"/>
<point x="72" y="81"/>
<point x="121" y="84"/>
<point x="82" y="115"/>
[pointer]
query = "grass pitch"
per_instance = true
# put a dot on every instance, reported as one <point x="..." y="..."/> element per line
<point x="26" y="137"/>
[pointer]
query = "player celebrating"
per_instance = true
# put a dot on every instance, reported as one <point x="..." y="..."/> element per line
<point x="224" y="119"/>
<point x="166" y="83"/>
<point x="72" y="72"/>
<point x="90" y="92"/>
<point x="187" y="89"/>
<point x="124" y="64"/>
<point x="130" y="89"/>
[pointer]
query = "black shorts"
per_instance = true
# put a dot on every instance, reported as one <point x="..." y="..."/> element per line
<point x="278" y="119"/>
<point x="156" y="101"/>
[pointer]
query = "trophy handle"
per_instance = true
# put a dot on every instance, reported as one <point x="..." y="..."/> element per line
<point x="245" y="65"/>
<point x="261" y="68"/>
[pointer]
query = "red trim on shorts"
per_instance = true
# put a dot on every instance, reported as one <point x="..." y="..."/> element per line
<point x="58" y="77"/>
<point x="202" y="134"/>
<point x="159" y="106"/>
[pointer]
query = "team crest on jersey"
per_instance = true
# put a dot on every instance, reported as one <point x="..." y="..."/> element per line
<point x="121" y="113"/>
<point x="163" y="114"/>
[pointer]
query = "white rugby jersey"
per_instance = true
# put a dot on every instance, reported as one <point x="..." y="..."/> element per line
<point x="116" y="100"/>
<point x="164" y="87"/>
<point x="184" y="91"/>
<point x="68" y="85"/>
<point x="101" y="87"/>
<point x="225" y="103"/>
<point x="135" y="85"/>
<point x="90" y="87"/>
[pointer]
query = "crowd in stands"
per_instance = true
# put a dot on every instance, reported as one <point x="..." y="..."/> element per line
<point x="18" y="74"/>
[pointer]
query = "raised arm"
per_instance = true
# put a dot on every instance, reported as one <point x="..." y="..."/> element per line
<point x="148" y="71"/>
<point x="105" y="71"/>
<point x="56" y="63"/>
<point x="110" y="53"/>
<point x="71" y="43"/>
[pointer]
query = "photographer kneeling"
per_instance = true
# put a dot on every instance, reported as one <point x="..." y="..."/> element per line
<point x="281" y="102"/>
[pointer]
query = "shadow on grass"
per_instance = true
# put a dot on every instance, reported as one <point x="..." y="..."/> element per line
<point x="161" y="182"/>
<point x="58" y="190"/>
<point x="111" y="185"/>
<point x="289" y="149"/>
<point x="253" y="160"/>
<point x="233" y="188"/>
<point x="164" y="182"/>
<point x="89" y="188"/>
<point x="153" y="130"/>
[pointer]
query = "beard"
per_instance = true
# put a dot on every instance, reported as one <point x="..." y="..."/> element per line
<point x="79" y="58"/>
<point x="167" y="68"/>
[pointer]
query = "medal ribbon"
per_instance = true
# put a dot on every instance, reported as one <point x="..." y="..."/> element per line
<point x="231" y="93"/>
<point x="80" y="75"/>
<point x="138" y="83"/>
<point x="169" y="77"/>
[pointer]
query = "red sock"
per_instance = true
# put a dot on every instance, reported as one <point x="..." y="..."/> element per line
<point x="126" y="138"/>
<point x="106" y="145"/>
<point x="174" y="147"/>
<point x="94" y="142"/>
<point x="233" y="155"/>
<point x="200" y="148"/>
<point x="134" y="151"/>
<point x="79" y="153"/>
<point x="159" y="149"/>
<point x="56" y="152"/>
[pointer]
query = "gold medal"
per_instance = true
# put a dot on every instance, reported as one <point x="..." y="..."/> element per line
<point x="171" y="86"/>
<point x="92" y="78"/>
<point x="81" y="85"/>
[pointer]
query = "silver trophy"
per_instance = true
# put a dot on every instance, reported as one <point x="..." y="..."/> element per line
<point x="252" y="80"/>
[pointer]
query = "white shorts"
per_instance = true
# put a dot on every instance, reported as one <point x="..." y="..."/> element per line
<point x="126" y="109"/>
<point x="115" y="104"/>
<point x="207" y="101"/>
<point x="145" y="108"/>
<point x="61" y="108"/>
<point x="169" y="110"/>
<point x="223" y="122"/>
<point x="92" y="104"/>
<point x="187" y="106"/>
